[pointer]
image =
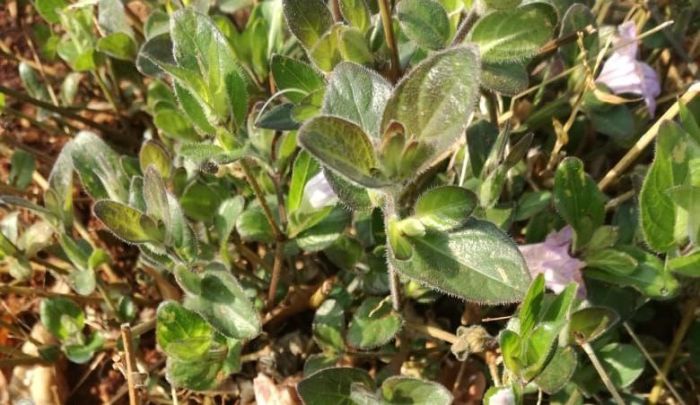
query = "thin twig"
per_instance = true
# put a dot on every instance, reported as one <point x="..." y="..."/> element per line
<point x="131" y="370"/>
<point x="651" y="361"/>
<point x="646" y="139"/>
<point x="261" y="199"/>
<point x="276" y="273"/>
<point x="601" y="371"/>
<point x="688" y="317"/>
<point x="66" y="112"/>
<point x="385" y="11"/>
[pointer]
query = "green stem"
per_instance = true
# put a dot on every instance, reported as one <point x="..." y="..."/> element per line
<point x="394" y="282"/>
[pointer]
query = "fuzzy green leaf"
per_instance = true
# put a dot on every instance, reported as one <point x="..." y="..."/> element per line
<point x="425" y="22"/>
<point x="514" y="34"/>
<point x="477" y="262"/>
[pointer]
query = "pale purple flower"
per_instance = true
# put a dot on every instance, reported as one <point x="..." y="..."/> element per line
<point x="318" y="193"/>
<point x="552" y="259"/>
<point x="623" y="73"/>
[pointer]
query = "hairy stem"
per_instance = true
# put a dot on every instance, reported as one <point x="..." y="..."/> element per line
<point x="394" y="282"/>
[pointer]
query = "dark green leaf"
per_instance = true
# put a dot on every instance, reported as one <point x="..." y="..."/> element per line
<point x="444" y="208"/>
<point x="587" y="324"/>
<point x="373" y="324"/>
<point x="435" y="99"/>
<point x="425" y="22"/>
<point x="477" y="262"/>
<point x="182" y="333"/>
<point x="407" y="390"/>
<point x="514" y="34"/>
<point x="343" y="147"/>
<point x="292" y="75"/>
<point x="357" y="94"/>
<point x="333" y="386"/>
<point x="125" y="222"/>
<point x="308" y="20"/>
<point x="578" y="200"/>
<point x="62" y="317"/>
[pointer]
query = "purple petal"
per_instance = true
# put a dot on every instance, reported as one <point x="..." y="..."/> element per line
<point x="552" y="259"/>
<point x="627" y="34"/>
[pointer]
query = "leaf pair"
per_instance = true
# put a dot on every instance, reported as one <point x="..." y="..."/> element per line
<point x="432" y="105"/>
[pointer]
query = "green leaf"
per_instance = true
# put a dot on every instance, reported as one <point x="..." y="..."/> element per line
<point x="353" y="46"/>
<point x="305" y="167"/>
<point x="650" y="277"/>
<point x="326" y="53"/>
<point x="252" y="225"/>
<point x="98" y="167"/>
<point x="329" y="324"/>
<point x="325" y="232"/>
<point x="62" y="317"/>
<point x="588" y="324"/>
<point x="199" y="375"/>
<point x="578" y="200"/>
<point x="514" y="34"/>
<point x="152" y="153"/>
<point x="689" y="122"/>
<point x="424" y="22"/>
<point x="687" y="197"/>
<point x="558" y="371"/>
<point x="373" y="324"/>
<point x="22" y="169"/>
<point x="224" y="304"/>
<point x="352" y="196"/>
<point x="35" y="87"/>
<point x="407" y="390"/>
<point x="357" y="94"/>
<point x="209" y="57"/>
<point x="356" y="13"/>
<point x="226" y="216"/>
<point x="435" y="99"/>
<point x="343" y="147"/>
<point x="577" y="18"/>
<point x="49" y="9"/>
<point x="82" y="353"/>
<point x="659" y="217"/>
<point x="612" y="260"/>
<point x="333" y="386"/>
<point x="200" y="201"/>
<point x="623" y="363"/>
<point x="507" y="78"/>
<point x="293" y="74"/>
<point x="531" y="306"/>
<point x="477" y="262"/>
<point x="182" y="333"/>
<point x="279" y="118"/>
<point x="308" y="20"/>
<point x="125" y="222"/>
<point x="532" y="203"/>
<point x="445" y="208"/>
<point x="112" y="17"/>
<point x="688" y="266"/>
<point x="118" y="45"/>
<point x="502" y="4"/>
